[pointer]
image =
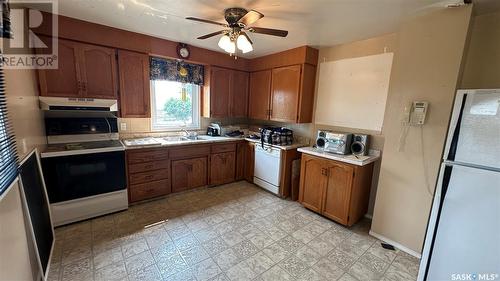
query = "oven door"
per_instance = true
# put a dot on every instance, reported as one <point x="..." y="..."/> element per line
<point x="78" y="176"/>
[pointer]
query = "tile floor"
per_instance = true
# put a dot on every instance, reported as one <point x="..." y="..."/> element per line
<point x="231" y="232"/>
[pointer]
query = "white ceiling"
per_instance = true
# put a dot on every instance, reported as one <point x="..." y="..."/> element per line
<point x="309" y="22"/>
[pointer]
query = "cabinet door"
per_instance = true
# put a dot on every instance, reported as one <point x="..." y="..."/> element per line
<point x="249" y="164"/>
<point x="222" y="168"/>
<point x="312" y="182"/>
<point x="338" y="192"/>
<point x="220" y="90"/>
<point x="285" y="91"/>
<point x="64" y="81"/>
<point x="260" y="90"/>
<point x="134" y="84"/>
<point x="189" y="173"/>
<point x="98" y="70"/>
<point x="241" y="160"/>
<point x="239" y="94"/>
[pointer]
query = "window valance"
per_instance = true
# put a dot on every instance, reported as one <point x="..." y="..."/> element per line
<point x="175" y="70"/>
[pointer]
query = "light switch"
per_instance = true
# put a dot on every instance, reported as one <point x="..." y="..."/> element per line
<point x="123" y="126"/>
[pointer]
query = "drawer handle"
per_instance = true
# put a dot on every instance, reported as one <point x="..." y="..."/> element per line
<point x="148" y="177"/>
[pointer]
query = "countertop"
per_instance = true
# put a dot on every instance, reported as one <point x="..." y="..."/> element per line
<point x="283" y="147"/>
<point x="203" y="139"/>
<point x="373" y="156"/>
<point x="162" y="142"/>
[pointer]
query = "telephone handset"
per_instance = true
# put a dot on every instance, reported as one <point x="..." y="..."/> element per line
<point x="415" y="114"/>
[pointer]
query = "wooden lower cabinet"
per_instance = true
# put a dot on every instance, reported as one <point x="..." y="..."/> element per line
<point x="241" y="160"/>
<point x="334" y="189"/>
<point x="189" y="173"/>
<point x="154" y="172"/>
<point x="312" y="183"/>
<point x="149" y="190"/>
<point x="148" y="173"/>
<point x="250" y="157"/>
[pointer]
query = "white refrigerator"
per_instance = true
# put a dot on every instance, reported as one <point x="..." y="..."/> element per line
<point x="463" y="234"/>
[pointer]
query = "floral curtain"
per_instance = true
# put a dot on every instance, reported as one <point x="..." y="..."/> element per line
<point x="175" y="70"/>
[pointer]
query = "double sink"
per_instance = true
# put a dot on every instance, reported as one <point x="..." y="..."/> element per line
<point x="152" y="141"/>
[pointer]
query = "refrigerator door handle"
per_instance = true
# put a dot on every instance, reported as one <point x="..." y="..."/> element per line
<point x="456" y="132"/>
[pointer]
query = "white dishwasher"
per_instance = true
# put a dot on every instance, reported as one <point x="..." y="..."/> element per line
<point x="267" y="168"/>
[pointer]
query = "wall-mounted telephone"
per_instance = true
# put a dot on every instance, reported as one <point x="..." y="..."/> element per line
<point x="414" y="114"/>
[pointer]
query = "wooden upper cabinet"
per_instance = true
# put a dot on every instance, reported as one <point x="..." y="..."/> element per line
<point x="65" y="80"/>
<point x="337" y="192"/>
<point x="260" y="87"/>
<point x="98" y="72"/>
<point x="239" y="94"/>
<point x="220" y="91"/>
<point x="312" y="183"/>
<point x="133" y="71"/>
<point x="285" y="90"/>
<point x="84" y="70"/>
<point x="226" y="93"/>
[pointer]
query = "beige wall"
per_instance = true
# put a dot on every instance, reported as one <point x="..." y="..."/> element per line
<point x="27" y="121"/>
<point x="482" y="67"/>
<point x="24" y="113"/>
<point x="369" y="47"/>
<point x="426" y="67"/>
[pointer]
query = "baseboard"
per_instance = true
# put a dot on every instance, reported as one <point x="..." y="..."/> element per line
<point x="395" y="244"/>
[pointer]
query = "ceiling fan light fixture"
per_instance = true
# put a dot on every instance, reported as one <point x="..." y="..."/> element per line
<point x="224" y="42"/>
<point x="243" y="44"/>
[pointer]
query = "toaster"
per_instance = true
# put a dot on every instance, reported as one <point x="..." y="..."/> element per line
<point x="333" y="142"/>
<point x="214" y="130"/>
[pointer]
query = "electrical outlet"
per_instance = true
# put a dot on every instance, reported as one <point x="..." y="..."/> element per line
<point x="123" y="126"/>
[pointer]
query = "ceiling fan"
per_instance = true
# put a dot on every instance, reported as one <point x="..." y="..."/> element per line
<point x="238" y="21"/>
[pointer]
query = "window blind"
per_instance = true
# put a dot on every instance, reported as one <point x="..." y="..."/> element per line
<point x="8" y="153"/>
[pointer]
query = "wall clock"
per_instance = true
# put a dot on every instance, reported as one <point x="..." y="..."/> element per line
<point x="183" y="51"/>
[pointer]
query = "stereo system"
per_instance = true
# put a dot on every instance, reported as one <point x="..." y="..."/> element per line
<point x="359" y="145"/>
<point x="342" y="143"/>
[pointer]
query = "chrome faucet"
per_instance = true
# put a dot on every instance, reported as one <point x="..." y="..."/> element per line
<point x="190" y="135"/>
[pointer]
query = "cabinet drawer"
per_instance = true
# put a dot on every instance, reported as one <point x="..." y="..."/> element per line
<point x="228" y="147"/>
<point x="150" y="166"/>
<point x="149" y="190"/>
<point x="190" y="151"/>
<point x="141" y="156"/>
<point x="148" y="176"/>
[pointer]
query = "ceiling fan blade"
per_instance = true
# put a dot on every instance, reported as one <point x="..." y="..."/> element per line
<point x="269" y="31"/>
<point x="248" y="38"/>
<point x="250" y="17"/>
<point x="212" y="34"/>
<point x="207" y="21"/>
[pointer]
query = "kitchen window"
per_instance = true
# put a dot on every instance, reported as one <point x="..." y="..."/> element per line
<point x="175" y="105"/>
<point x="8" y="153"/>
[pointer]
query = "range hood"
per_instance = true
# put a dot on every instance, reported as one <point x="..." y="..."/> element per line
<point x="78" y="104"/>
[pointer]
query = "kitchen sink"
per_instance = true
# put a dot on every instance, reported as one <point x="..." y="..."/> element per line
<point x="180" y="138"/>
